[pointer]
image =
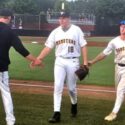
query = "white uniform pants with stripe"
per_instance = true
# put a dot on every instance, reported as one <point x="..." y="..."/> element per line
<point x="64" y="70"/>
<point x="6" y="97"/>
<point x="120" y="87"/>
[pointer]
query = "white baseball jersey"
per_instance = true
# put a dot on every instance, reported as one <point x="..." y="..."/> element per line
<point x="118" y="45"/>
<point x="69" y="43"/>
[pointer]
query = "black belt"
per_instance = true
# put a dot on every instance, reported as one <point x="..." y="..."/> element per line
<point x="68" y="57"/>
<point x="120" y="64"/>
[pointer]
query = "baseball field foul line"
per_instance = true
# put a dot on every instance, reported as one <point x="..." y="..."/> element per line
<point x="80" y="89"/>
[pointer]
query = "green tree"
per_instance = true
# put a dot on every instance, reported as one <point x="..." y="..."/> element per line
<point x="108" y="14"/>
<point x="25" y="6"/>
<point x="3" y="3"/>
<point x="44" y="5"/>
<point x="30" y="6"/>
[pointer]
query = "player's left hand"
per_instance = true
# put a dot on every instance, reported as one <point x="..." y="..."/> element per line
<point x="82" y="72"/>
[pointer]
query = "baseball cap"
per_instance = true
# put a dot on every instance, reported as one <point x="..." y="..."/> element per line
<point x="64" y="14"/>
<point x="122" y="22"/>
<point x="6" y="12"/>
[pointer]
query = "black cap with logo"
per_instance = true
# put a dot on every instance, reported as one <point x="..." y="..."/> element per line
<point x="64" y="14"/>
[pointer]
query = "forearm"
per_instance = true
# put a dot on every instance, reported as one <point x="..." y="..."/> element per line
<point x="33" y="60"/>
<point x="98" y="58"/>
<point x="84" y="55"/>
<point x="44" y="53"/>
<point x="19" y="47"/>
<point x="30" y="57"/>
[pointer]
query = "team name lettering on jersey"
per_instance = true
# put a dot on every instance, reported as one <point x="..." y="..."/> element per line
<point x="119" y="50"/>
<point x="65" y="41"/>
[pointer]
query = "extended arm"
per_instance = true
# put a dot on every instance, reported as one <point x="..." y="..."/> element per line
<point x="84" y="55"/>
<point x="98" y="58"/>
<point x="30" y="57"/>
<point x="44" y="53"/>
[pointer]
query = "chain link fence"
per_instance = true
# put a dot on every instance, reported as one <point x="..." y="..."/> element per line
<point x="24" y="21"/>
<point x="35" y="22"/>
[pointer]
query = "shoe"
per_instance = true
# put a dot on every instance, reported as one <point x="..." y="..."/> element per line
<point x="55" y="118"/>
<point x="73" y="110"/>
<point x="112" y="116"/>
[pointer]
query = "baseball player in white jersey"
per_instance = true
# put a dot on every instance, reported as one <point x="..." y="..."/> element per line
<point x="69" y="42"/>
<point x="118" y="45"/>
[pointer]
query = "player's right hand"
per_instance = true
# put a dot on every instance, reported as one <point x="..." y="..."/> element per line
<point x="90" y="63"/>
<point x="37" y="62"/>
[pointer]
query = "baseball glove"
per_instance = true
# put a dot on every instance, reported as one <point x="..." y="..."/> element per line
<point x="82" y="72"/>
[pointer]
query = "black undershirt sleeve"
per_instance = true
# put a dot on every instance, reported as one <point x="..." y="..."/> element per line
<point x="18" y="46"/>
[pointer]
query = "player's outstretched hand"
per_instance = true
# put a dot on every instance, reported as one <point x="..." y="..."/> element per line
<point x="90" y="63"/>
<point x="37" y="62"/>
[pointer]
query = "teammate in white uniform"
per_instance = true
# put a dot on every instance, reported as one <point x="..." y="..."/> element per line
<point x="118" y="45"/>
<point x="69" y="42"/>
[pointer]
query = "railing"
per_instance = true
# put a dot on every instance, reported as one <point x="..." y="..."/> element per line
<point x="34" y="22"/>
<point x="76" y="18"/>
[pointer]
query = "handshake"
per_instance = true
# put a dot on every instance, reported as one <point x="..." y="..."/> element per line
<point x="36" y="62"/>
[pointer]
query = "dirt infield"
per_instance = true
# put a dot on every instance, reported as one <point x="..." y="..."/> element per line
<point x="91" y="44"/>
<point x="97" y="44"/>
<point x="39" y="87"/>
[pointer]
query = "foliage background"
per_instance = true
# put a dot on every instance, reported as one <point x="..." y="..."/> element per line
<point x="107" y="13"/>
<point x="101" y="8"/>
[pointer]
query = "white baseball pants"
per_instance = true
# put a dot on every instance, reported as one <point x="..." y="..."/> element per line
<point x="64" y="70"/>
<point x="120" y="87"/>
<point x="6" y="97"/>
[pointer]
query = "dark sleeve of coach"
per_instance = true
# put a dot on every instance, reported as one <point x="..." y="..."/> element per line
<point x="9" y="39"/>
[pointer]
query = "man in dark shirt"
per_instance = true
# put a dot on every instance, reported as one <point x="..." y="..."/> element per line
<point x="9" y="39"/>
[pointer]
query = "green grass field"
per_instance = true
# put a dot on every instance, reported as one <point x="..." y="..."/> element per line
<point x="36" y="109"/>
<point x="100" y="74"/>
<point x="32" y="109"/>
<point x="99" y="39"/>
